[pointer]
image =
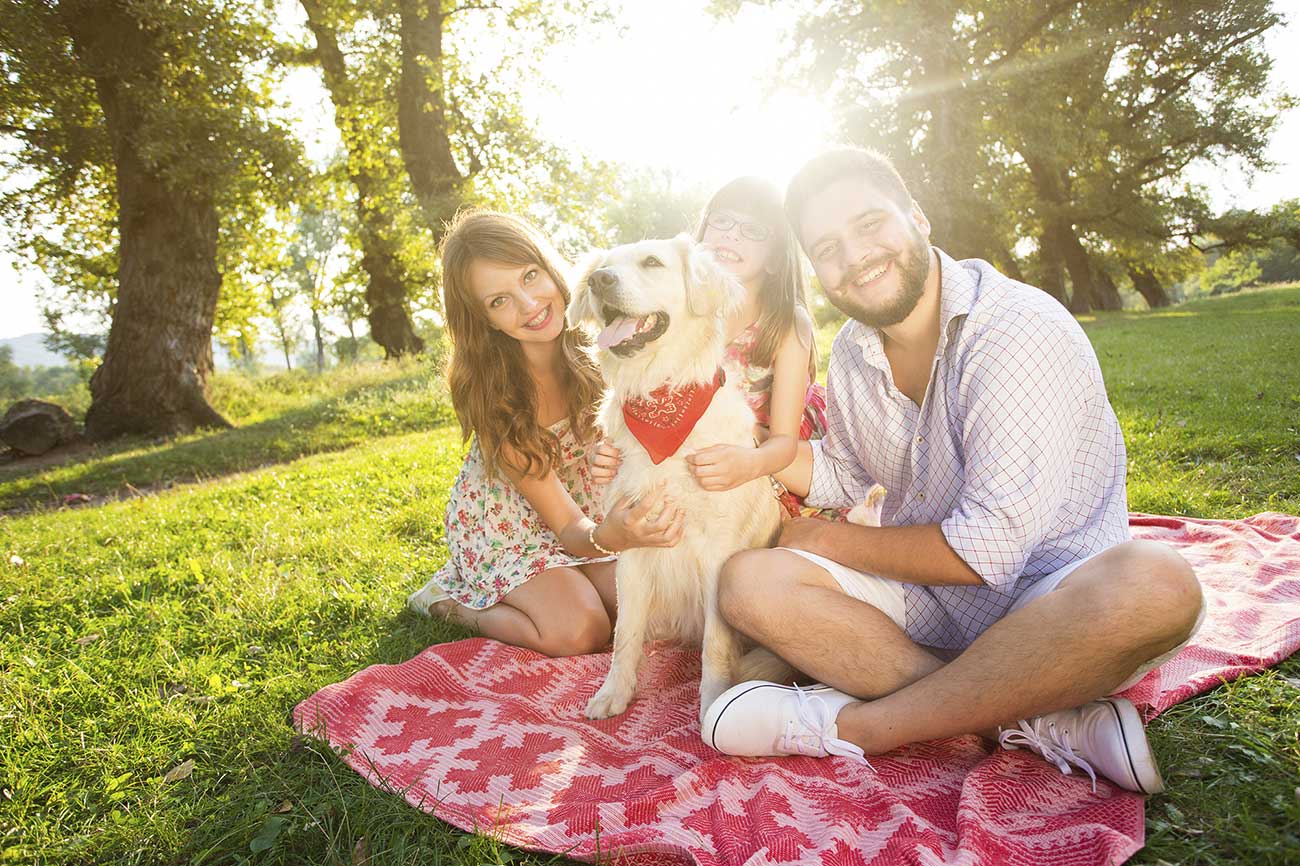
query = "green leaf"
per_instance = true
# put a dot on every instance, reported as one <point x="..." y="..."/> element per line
<point x="265" y="838"/>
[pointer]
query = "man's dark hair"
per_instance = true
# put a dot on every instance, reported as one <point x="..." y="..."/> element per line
<point x="821" y="171"/>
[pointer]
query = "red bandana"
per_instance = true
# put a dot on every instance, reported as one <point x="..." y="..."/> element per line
<point x="662" y="421"/>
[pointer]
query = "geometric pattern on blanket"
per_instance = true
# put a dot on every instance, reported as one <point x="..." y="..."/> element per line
<point x="492" y="738"/>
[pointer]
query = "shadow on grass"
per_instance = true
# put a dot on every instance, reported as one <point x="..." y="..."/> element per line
<point x="134" y="465"/>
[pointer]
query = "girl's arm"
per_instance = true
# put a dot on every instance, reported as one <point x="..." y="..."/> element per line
<point x="723" y="467"/>
<point x="652" y="521"/>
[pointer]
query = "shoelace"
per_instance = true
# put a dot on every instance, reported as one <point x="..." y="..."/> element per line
<point x="814" y="716"/>
<point x="1043" y="738"/>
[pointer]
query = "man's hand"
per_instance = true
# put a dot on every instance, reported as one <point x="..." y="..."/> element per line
<point x="805" y="533"/>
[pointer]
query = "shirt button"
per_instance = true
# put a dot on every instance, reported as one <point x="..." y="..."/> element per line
<point x="920" y="496"/>
<point x="920" y="439"/>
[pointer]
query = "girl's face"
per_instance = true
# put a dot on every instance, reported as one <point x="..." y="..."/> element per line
<point x="741" y="244"/>
<point x="520" y="301"/>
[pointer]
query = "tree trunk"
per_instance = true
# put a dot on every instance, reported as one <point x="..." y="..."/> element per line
<point x="947" y="186"/>
<point x="1107" y="294"/>
<point x="390" y="321"/>
<point x="422" y="114"/>
<point x="1007" y="264"/>
<point x="320" y="340"/>
<point x="159" y="351"/>
<point x="1148" y="286"/>
<point x="1083" y="294"/>
<point x="1053" y="278"/>
<point x="1051" y="187"/>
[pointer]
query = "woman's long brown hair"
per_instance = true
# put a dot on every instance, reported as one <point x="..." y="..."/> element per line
<point x="783" y="287"/>
<point x="491" y="389"/>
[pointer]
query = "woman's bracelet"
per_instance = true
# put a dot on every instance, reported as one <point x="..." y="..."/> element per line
<point x="591" y="539"/>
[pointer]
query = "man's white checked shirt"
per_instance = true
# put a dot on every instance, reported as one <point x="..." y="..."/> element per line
<point x="1015" y="450"/>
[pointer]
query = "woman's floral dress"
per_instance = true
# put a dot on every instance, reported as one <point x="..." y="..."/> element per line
<point x="756" y="384"/>
<point x="496" y="539"/>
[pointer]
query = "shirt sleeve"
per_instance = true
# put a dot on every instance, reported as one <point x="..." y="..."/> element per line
<point x="1023" y="401"/>
<point x="839" y="479"/>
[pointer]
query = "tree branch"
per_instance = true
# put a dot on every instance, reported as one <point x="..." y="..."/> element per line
<point x="19" y="130"/>
<point x="465" y="7"/>
<point x="1035" y="27"/>
<point x="1145" y="111"/>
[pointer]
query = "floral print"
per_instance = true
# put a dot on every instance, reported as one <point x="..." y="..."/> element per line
<point x="756" y="384"/>
<point x="496" y="539"/>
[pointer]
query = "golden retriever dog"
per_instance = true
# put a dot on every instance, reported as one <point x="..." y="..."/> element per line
<point x="661" y="307"/>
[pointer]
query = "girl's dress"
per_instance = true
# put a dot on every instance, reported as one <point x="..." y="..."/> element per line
<point x="496" y="539"/>
<point x="756" y="384"/>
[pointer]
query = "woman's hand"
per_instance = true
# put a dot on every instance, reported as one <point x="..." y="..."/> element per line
<point x="651" y="521"/>
<point x="605" y="460"/>
<point x="722" y="467"/>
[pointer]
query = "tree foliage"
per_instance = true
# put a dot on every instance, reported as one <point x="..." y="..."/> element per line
<point x="155" y="113"/>
<point x="426" y="101"/>
<point x="1064" y="127"/>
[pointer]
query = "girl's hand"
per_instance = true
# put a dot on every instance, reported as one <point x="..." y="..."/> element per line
<point x="652" y="521"/>
<point x="722" y="467"/>
<point x="605" y="460"/>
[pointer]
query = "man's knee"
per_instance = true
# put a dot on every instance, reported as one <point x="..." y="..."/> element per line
<point x="1151" y="583"/>
<point x="1172" y="586"/>
<point x="744" y="587"/>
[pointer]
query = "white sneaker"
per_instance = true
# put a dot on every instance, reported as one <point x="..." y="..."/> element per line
<point x="426" y="597"/>
<point x="758" y="718"/>
<point x="1104" y="736"/>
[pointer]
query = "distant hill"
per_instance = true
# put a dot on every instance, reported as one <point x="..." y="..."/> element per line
<point x="30" y="351"/>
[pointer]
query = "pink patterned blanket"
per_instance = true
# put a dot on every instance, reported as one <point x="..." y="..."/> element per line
<point x="492" y="738"/>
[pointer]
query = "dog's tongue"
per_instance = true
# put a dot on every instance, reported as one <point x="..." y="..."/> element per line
<point x="616" y="332"/>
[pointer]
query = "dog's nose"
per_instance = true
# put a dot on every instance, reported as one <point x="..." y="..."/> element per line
<point x="602" y="280"/>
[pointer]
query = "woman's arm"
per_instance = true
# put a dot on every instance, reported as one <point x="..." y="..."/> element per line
<point x="723" y="467"/>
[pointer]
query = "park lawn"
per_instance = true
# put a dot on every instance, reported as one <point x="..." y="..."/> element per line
<point x="277" y="419"/>
<point x="184" y="624"/>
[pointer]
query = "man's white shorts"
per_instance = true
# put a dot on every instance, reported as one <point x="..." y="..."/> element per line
<point x="888" y="596"/>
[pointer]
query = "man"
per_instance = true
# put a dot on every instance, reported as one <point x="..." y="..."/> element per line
<point x="1003" y="584"/>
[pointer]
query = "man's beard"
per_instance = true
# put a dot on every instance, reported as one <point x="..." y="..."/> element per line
<point x="913" y="269"/>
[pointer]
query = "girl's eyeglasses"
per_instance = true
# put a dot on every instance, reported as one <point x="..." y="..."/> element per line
<point x="723" y="221"/>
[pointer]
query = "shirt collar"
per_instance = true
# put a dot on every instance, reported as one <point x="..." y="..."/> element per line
<point x="958" y="288"/>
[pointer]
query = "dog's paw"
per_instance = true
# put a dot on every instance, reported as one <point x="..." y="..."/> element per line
<point x="867" y="512"/>
<point x="710" y="692"/>
<point x="607" y="702"/>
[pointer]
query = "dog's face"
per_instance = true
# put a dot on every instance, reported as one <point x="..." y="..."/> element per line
<point x="651" y="302"/>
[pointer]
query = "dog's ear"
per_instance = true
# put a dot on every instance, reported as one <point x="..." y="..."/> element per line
<point x="709" y="289"/>
<point x="582" y="305"/>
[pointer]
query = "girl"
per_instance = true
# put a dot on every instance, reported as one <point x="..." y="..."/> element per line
<point x="526" y="565"/>
<point x="771" y="353"/>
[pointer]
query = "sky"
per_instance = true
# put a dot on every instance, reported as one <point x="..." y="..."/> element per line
<point x="627" y="98"/>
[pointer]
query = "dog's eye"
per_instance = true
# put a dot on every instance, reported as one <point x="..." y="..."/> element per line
<point x="651" y="262"/>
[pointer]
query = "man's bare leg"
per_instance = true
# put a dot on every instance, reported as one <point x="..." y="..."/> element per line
<point x="793" y="607"/>
<point x="1073" y="645"/>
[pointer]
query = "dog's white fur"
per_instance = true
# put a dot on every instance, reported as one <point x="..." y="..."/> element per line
<point x="672" y="592"/>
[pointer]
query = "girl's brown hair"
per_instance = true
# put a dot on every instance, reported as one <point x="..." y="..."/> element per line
<point x="491" y="389"/>
<point x="783" y="286"/>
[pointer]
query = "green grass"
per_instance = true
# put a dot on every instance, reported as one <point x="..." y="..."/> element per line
<point x="186" y="623"/>
<point x="278" y="419"/>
